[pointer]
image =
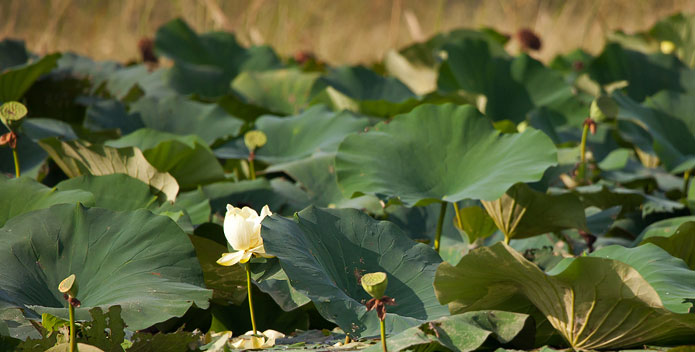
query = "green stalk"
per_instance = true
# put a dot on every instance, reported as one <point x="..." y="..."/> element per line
<point x="383" y="333"/>
<point x="252" y="170"/>
<point x="16" y="162"/>
<point x="582" y="165"/>
<point x="440" y="222"/>
<point x="73" y="341"/>
<point x="686" y="181"/>
<point x="248" y="285"/>
<point x="458" y="216"/>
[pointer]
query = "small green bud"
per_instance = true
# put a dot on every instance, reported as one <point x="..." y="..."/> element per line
<point x="255" y="139"/>
<point x="375" y="284"/>
<point x="68" y="286"/>
<point x="603" y="108"/>
<point x="11" y="114"/>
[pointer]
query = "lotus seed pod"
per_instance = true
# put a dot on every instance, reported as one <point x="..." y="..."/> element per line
<point x="255" y="139"/>
<point x="375" y="284"/>
<point x="602" y="108"/>
<point x="68" y="286"/>
<point x="667" y="47"/>
<point x="11" y="114"/>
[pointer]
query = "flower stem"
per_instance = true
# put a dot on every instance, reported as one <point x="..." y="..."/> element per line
<point x="383" y="333"/>
<point x="248" y="285"/>
<point x="581" y="170"/>
<point x="440" y="222"/>
<point x="16" y="162"/>
<point x="71" y="313"/>
<point x="252" y="170"/>
<point x="686" y="181"/>
<point x="458" y="216"/>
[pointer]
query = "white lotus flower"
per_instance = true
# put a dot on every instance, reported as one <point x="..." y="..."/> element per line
<point x="250" y="341"/>
<point x="242" y="227"/>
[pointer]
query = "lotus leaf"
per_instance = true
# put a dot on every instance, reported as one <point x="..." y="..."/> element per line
<point x="21" y="195"/>
<point x="16" y="80"/>
<point x="615" y="297"/>
<point x="455" y="155"/>
<point x="523" y="212"/>
<point x="187" y="158"/>
<point x="325" y="252"/>
<point x="140" y="261"/>
<point x="465" y="332"/>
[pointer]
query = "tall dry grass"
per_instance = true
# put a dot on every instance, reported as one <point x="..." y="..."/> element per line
<point x="338" y="31"/>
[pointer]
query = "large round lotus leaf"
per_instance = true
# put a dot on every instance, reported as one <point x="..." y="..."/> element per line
<point x="21" y="195"/>
<point x="206" y="63"/>
<point x="15" y="81"/>
<point x="513" y="87"/>
<point x="616" y="297"/>
<point x="667" y="122"/>
<point x="285" y="91"/>
<point x="179" y="115"/>
<point x="138" y="260"/>
<point x="679" y="243"/>
<point x="314" y="130"/>
<point x="325" y="252"/>
<point x="645" y="74"/>
<point x="441" y="152"/>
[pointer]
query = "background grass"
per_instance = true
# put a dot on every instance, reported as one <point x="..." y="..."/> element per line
<point x="337" y="31"/>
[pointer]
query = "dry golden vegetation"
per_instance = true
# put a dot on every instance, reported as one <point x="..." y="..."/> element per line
<point x="338" y="31"/>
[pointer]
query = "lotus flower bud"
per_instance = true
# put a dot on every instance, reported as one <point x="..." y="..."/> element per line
<point x="667" y="47"/>
<point x="375" y="284"/>
<point x="602" y="108"/>
<point x="68" y="286"/>
<point x="255" y="139"/>
<point x="11" y="114"/>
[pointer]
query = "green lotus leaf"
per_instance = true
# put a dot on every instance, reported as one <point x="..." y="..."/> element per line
<point x="679" y="243"/>
<point x="325" y="252"/>
<point x="31" y="156"/>
<point x="178" y="115"/>
<point x="604" y="197"/>
<point x="645" y="74"/>
<point x="78" y="158"/>
<point x="206" y="63"/>
<point x="228" y="283"/>
<point x="663" y="228"/>
<point x="138" y="260"/>
<point x="476" y="223"/>
<point x="111" y="114"/>
<point x="666" y="119"/>
<point x="368" y="92"/>
<point x="21" y="195"/>
<point x="316" y="175"/>
<point x="523" y="212"/>
<point x="465" y="332"/>
<point x="296" y="137"/>
<point x="614" y="298"/>
<point x="286" y="91"/>
<point x="513" y="87"/>
<point x="187" y="158"/>
<point x="440" y="152"/>
<point x="120" y="192"/>
<point x="16" y="80"/>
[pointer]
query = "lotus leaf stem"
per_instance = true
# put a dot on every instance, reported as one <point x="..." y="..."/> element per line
<point x="686" y="181"/>
<point x="440" y="222"/>
<point x="382" y="324"/>
<point x="16" y="162"/>
<point x="73" y="341"/>
<point x="581" y="170"/>
<point x="252" y="169"/>
<point x="248" y="285"/>
<point x="459" y="220"/>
